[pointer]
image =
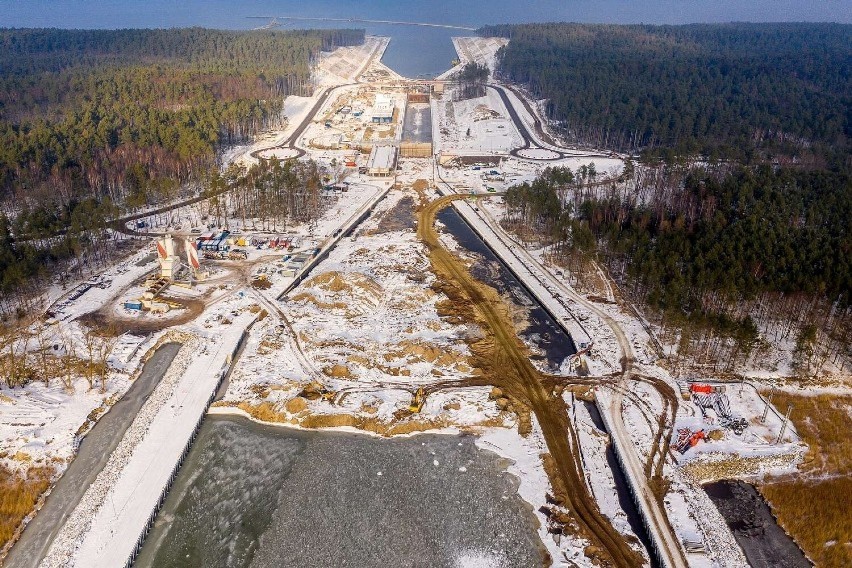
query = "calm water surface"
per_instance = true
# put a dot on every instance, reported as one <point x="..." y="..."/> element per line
<point x="414" y="50"/>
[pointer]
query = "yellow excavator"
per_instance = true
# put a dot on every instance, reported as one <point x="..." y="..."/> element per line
<point x="417" y="401"/>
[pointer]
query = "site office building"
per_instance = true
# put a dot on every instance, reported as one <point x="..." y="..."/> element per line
<point x="383" y="109"/>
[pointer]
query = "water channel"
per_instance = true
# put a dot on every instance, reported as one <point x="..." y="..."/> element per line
<point x="755" y="528"/>
<point x="625" y="499"/>
<point x="251" y="495"/>
<point x="550" y="341"/>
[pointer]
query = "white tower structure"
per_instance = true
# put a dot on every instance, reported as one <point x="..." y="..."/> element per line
<point x="169" y="261"/>
<point x="192" y="257"/>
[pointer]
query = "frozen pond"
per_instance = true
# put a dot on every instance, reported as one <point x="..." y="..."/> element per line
<point x="262" y="496"/>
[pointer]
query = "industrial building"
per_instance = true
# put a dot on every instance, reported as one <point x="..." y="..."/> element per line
<point x="383" y="109"/>
<point x="382" y="161"/>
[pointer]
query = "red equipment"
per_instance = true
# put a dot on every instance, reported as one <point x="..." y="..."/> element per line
<point x="686" y="441"/>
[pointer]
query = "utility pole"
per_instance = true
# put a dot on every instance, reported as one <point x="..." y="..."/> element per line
<point x="784" y="425"/>
<point x="766" y="408"/>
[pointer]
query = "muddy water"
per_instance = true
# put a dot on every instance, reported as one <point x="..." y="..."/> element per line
<point x="542" y="332"/>
<point x="261" y="496"/>
<point x="765" y="544"/>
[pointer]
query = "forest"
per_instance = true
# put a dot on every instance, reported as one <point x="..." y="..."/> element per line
<point x="472" y="79"/>
<point x="133" y="114"/>
<point x="97" y="122"/>
<point x="748" y="92"/>
<point x="718" y="250"/>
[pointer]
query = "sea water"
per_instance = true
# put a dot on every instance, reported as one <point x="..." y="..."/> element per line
<point x="414" y="50"/>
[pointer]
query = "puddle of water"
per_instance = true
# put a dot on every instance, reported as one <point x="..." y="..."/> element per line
<point x="261" y="496"/>
<point x="764" y="543"/>
<point x="542" y="332"/>
<point x="399" y="218"/>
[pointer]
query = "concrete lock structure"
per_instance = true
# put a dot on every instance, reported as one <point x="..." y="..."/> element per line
<point x="382" y="161"/>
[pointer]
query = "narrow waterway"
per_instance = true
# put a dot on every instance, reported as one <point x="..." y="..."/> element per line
<point x="764" y="543"/>
<point x="625" y="499"/>
<point x="265" y="496"/>
<point x="550" y="341"/>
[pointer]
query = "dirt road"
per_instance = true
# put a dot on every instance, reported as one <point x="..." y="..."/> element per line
<point x="94" y="453"/>
<point x="647" y="476"/>
<point x="505" y="361"/>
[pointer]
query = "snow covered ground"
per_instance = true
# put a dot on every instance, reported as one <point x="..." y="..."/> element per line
<point x="479" y="126"/>
<point x="104" y="528"/>
<point x="723" y="457"/>
<point x="346" y="64"/>
<point x="481" y="50"/>
<point x="367" y="327"/>
<point x="39" y="423"/>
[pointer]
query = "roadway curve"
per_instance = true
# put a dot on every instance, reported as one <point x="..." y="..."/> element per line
<point x="95" y="451"/>
<point x="290" y="142"/>
<point x="120" y="224"/>
<point x="514" y="373"/>
<point x="530" y="141"/>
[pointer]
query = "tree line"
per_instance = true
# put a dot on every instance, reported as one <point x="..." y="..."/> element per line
<point x="715" y="249"/>
<point x="78" y="239"/>
<point x="472" y="79"/>
<point x="93" y="123"/>
<point x="271" y="193"/>
<point x="749" y="92"/>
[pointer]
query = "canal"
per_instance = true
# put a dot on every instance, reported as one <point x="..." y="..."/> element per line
<point x="549" y="341"/>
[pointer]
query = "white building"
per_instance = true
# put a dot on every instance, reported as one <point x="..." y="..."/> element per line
<point x="382" y="161"/>
<point x="383" y="108"/>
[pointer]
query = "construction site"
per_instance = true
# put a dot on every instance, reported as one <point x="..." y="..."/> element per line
<point x="406" y="308"/>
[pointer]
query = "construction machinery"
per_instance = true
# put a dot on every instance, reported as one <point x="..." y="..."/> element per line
<point x="713" y="397"/>
<point x="688" y="439"/>
<point x="156" y="288"/>
<point x="417" y="401"/>
<point x="316" y="390"/>
<point x="699" y="388"/>
<point x="169" y="261"/>
<point x="192" y="260"/>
